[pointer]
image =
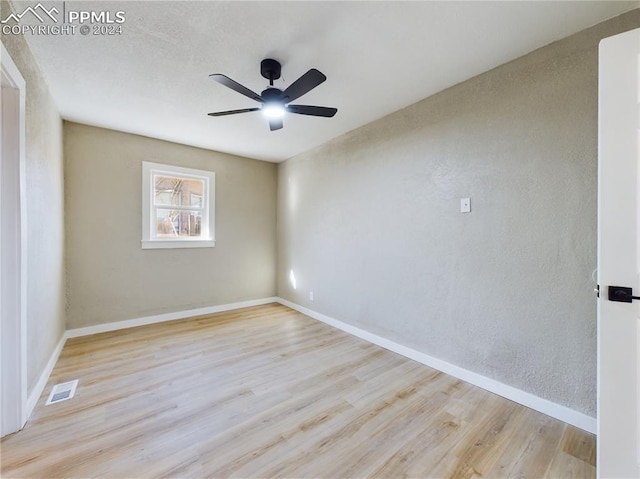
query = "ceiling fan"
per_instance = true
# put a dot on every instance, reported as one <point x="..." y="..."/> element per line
<point x="276" y="102"/>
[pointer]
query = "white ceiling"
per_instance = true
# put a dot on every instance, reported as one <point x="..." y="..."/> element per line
<point x="378" y="56"/>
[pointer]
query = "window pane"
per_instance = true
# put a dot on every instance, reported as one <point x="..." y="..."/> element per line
<point x="177" y="191"/>
<point x="195" y="200"/>
<point x="178" y="223"/>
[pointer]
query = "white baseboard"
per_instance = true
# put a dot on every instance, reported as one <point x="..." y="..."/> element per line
<point x="563" y="413"/>
<point x="159" y="318"/>
<point x="32" y="400"/>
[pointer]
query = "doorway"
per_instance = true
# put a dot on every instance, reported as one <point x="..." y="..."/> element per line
<point x="13" y="324"/>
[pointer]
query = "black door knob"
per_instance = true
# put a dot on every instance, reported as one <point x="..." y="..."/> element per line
<point x="621" y="294"/>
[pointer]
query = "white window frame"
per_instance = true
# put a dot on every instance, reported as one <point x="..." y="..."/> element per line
<point x="149" y="238"/>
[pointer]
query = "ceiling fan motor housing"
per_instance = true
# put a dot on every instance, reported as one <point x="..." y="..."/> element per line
<point x="271" y="95"/>
<point x="270" y="69"/>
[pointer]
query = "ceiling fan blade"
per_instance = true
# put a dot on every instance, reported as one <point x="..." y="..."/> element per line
<point x="233" y="112"/>
<point x="312" y="110"/>
<point x="275" y="123"/>
<point x="234" y="85"/>
<point x="302" y="85"/>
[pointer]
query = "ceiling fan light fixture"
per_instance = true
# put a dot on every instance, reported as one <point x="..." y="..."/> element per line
<point x="273" y="110"/>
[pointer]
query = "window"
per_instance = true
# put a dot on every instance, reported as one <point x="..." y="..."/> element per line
<point x="177" y="207"/>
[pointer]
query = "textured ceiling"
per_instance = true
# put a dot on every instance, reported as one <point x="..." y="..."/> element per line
<point x="379" y="57"/>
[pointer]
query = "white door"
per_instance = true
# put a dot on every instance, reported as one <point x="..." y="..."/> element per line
<point x="13" y="386"/>
<point x="619" y="256"/>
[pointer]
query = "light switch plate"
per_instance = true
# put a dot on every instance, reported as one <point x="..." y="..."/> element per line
<point x="465" y="205"/>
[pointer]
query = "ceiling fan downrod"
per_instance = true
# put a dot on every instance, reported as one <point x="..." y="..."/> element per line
<point x="270" y="69"/>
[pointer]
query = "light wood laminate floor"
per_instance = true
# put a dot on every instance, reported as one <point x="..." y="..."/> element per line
<point x="267" y="392"/>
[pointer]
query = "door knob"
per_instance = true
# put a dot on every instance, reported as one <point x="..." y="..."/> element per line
<point x="621" y="294"/>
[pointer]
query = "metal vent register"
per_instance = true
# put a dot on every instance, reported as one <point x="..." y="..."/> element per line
<point x="62" y="392"/>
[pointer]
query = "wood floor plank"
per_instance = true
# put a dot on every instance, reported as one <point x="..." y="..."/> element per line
<point x="578" y="444"/>
<point x="532" y="449"/>
<point x="566" y="466"/>
<point x="267" y="392"/>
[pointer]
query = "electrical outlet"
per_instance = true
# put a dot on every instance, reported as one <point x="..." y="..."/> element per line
<point x="310" y="295"/>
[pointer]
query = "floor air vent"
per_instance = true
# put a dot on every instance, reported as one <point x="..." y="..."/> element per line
<point x="62" y="392"/>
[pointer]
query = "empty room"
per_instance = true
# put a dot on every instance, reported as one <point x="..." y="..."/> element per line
<point x="318" y="239"/>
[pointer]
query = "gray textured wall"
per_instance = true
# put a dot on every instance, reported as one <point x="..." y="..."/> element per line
<point x="111" y="278"/>
<point x="370" y="223"/>
<point x="45" y="212"/>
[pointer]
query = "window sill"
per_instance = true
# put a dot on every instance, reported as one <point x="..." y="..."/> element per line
<point x="172" y="244"/>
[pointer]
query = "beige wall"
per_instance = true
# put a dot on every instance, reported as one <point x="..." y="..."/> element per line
<point x="370" y="223"/>
<point x="111" y="278"/>
<point x="45" y="213"/>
